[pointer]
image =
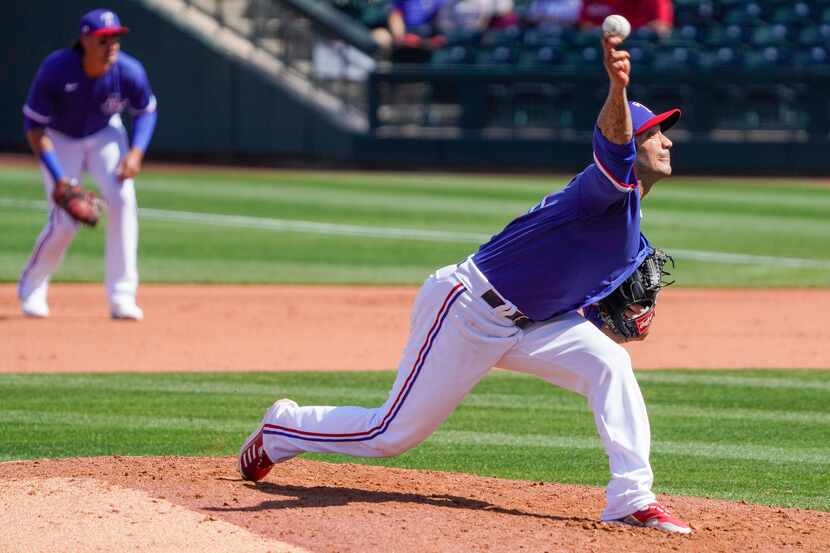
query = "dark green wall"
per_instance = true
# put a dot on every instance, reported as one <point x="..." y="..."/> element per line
<point x="212" y="108"/>
<point x="208" y="104"/>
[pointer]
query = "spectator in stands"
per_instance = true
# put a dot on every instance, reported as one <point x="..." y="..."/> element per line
<point x="411" y="24"/>
<point x="475" y="15"/>
<point x="553" y="13"/>
<point x="658" y="15"/>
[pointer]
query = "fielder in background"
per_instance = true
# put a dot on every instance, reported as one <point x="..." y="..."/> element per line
<point x="73" y="124"/>
<point x="515" y="304"/>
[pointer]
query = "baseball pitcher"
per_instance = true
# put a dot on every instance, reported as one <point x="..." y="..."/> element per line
<point x="72" y="122"/>
<point x="516" y="304"/>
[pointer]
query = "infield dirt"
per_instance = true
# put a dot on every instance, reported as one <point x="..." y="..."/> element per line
<point x="281" y="328"/>
<point x="189" y="504"/>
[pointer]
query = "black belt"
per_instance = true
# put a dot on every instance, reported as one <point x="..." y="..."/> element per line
<point x="494" y="300"/>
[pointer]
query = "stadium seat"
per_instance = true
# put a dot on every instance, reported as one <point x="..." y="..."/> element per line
<point x="676" y="59"/>
<point x="463" y="37"/>
<point x="818" y="56"/>
<point x="686" y="14"/>
<point x="702" y="13"/>
<point x="644" y="34"/>
<point x="767" y="57"/>
<point x="729" y="35"/>
<point x="723" y="58"/>
<point x="540" y="57"/>
<point x="811" y="56"/>
<point x="746" y="14"/>
<point x="709" y="35"/>
<point x="502" y="37"/>
<point x="687" y="32"/>
<point x="770" y="35"/>
<point x="641" y="57"/>
<point x="580" y="39"/>
<point x="792" y="14"/>
<point x="452" y="55"/>
<point x="499" y="55"/>
<point x="375" y="14"/>
<point x="544" y="36"/>
<point x="814" y="35"/>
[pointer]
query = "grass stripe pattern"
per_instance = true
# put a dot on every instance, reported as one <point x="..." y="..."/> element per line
<point x="760" y="436"/>
<point x="325" y="227"/>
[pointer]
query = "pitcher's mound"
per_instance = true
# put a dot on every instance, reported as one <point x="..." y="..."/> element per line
<point x="179" y="504"/>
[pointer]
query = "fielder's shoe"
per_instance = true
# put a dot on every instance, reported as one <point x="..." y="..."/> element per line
<point x="37" y="308"/>
<point x="126" y="312"/>
<point x="656" y="516"/>
<point x="254" y="464"/>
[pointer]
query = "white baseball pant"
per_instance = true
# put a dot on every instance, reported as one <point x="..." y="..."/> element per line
<point x="100" y="155"/>
<point x="456" y="337"/>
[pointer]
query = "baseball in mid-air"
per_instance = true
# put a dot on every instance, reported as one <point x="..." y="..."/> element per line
<point x="616" y="25"/>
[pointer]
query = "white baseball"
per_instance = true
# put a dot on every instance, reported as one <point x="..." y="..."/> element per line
<point x="616" y="25"/>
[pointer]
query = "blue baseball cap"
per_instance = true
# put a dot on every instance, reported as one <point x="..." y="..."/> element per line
<point x="102" y="23"/>
<point x="642" y="118"/>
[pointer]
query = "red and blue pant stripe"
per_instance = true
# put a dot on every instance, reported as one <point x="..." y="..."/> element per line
<point x="400" y="399"/>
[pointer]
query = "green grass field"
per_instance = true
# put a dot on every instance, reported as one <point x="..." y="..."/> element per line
<point x="326" y="227"/>
<point x="758" y="436"/>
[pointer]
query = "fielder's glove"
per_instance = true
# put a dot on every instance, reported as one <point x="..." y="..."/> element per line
<point x="627" y="313"/>
<point x="82" y="205"/>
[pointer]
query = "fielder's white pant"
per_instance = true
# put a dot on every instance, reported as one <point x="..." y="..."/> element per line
<point x="99" y="154"/>
<point x="455" y="339"/>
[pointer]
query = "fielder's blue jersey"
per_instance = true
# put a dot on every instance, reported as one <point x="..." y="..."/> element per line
<point x="575" y="246"/>
<point x="63" y="98"/>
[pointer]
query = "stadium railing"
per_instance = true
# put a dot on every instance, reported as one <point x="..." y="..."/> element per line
<point x="539" y="84"/>
<point x="312" y="39"/>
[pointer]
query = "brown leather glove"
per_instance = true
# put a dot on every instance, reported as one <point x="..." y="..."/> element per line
<point x="82" y="205"/>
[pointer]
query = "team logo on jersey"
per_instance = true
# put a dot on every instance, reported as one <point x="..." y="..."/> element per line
<point x="70" y="87"/>
<point x="113" y="104"/>
<point x="107" y="18"/>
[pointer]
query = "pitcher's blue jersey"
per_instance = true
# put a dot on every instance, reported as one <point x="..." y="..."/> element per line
<point x="63" y="98"/>
<point x="575" y="246"/>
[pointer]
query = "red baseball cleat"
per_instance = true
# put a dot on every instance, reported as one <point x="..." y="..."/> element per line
<point x="656" y="516"/>
<point x="254" y="464"/>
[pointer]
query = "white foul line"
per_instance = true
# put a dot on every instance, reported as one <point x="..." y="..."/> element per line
<point x="339" y="229"/>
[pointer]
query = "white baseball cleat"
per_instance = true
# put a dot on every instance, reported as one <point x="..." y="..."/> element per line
<point x="126" y="312"/>
<point x="656" y="516"/>
<point x="37" y="309"/>
<point x="253" y="463"/>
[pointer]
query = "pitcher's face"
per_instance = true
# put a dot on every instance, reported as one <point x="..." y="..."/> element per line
<point x="653" y="153"/>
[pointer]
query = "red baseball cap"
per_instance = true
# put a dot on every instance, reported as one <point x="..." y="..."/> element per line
<point x="642" y="118"/>
<point x="102" y="22"/>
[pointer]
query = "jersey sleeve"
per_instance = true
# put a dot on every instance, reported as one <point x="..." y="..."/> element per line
<point x="139" y="92"/>
<point x="40" y="102"/>
<point x="611" y="177"/>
